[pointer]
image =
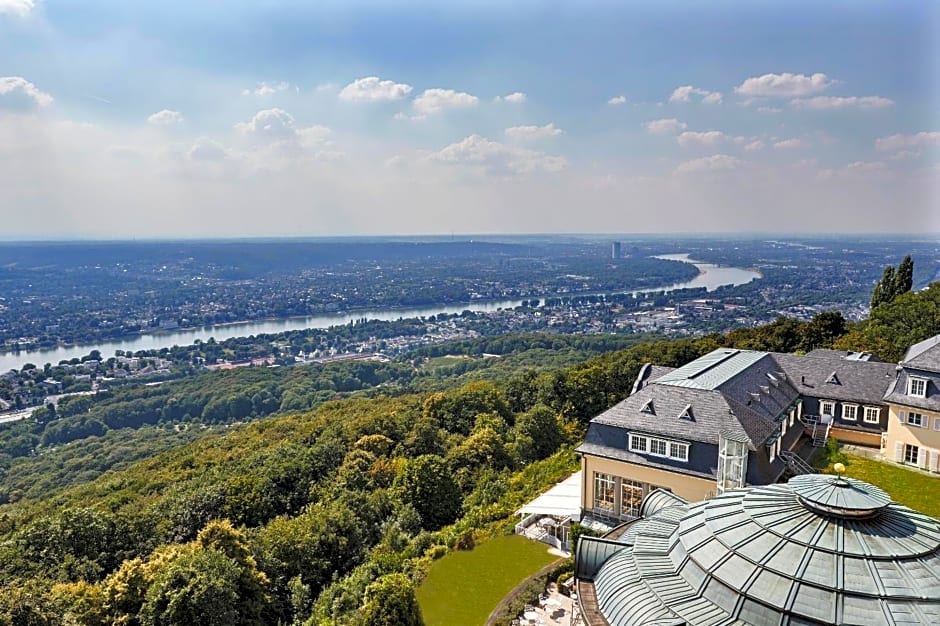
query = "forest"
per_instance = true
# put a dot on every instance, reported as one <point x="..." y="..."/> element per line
<point x="276" y="501"/>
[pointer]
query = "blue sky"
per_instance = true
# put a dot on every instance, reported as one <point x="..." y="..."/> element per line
<point x="232" y="118"/>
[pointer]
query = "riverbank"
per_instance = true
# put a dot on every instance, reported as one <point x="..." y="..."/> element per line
<point x="710" y="277"/>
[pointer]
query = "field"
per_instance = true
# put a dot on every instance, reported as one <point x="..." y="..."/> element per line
<point x="464" y="587"/>
<point x="914" y="489"/>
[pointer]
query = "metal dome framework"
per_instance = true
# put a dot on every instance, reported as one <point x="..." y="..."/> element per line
<point x="819" y="550"/>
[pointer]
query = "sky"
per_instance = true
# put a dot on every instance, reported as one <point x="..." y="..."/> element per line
<point x="229" y="119"/>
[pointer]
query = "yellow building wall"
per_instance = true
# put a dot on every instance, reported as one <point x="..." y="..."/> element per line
<point x="927" y="438"/>
<point x="689" y="487"/>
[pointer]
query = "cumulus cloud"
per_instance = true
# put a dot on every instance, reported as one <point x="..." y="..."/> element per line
<point x="898" y="142"/>
<point x="19" y="94"/>
<point x="666" y="126"/>
<point x="866" y="166"/>
<point x="166" y="117"/>
<point x="786" y="85"/>
<point x="497" y="158"/>
<point x="617" y="100"/>
<point x="684" y="94"/>
<point x="531" y="133"/>
<point x="266" y="89"/>
<point x="822" y="103"/>
<point x="19" y="8"/>
<point x="709" y="163"/>
<point x="374" y="89"/>
<point x="790" y="144"/>
<point x="436" y="100"/>
<point x="705" y="138"/>
<point x="757" y="144"/>
<point x="517" y="97"/>
<point x="275" y="133"/>
<point x="206" y="149"/>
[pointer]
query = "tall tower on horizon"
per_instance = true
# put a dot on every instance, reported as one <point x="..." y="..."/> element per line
<point x="615" y="250"/>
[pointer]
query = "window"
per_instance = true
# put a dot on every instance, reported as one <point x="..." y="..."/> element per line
<point x="872" y="415"/>
<point x="917" y="387"/>
<point x="604" y="487"/>
<point x="827" y="407"/>
<point x="850" y="412"/>
<point x="915" y="419"/>
<point x="911" y="453"/>
<point x="631" y="497"/>
<point x="678" y="451"/>
<point x="659" y="447"/>
<point x="936" y="423"/>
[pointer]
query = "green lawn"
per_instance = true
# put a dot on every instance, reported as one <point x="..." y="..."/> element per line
<point x="914" y="489"/>
<point x="462" y="588"/>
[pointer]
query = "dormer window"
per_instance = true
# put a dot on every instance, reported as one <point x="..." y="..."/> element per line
<point x="833" y="379"/>
<point x="648" y="408"/>
<point x="917" y="387"/>
<point x="687" y="413"/>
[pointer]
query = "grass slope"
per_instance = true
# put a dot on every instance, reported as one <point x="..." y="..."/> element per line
<point x="464" y="587"/>
<point x="914" y="489"/>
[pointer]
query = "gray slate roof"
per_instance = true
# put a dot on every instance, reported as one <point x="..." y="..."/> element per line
<point x="855" y="381"/>
<point x="897" y="393"/>
<point x="737" y="393"/>
<point x="924" y="355"/>
<point x="843" y="354"/>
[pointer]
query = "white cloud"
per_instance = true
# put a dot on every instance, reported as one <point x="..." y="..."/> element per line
<point x="821" y="103"/>
<point x="709" y="163"/>
<point x="903" y="155"/>
<point x="667" y="126"/>
<point x="705" y="138"/>
<point x="785" y="85"/>
<point x="770" y="109"/>
<point x="206" y="149"/>
<point x="757" y="144"/>
<point x="684" y="93"/>
<point x="497" y="158"/>
<point x="897" y="142"/>
<point x="616" y="100"/>
<point x="270" y="123"/>
<point x="266" y="89"/>
<point x="274" y="132"/>
<point x="866" y="166"/>
<point x="517" y="97"/>
<point x="374" y="89"/>
<point x="166" y="117"/>
<point x="436" y="100"/>
<point x="531" y="133"/>
<point x="790" y="144"/>
<point x="19" y="94"/>
<point x="19" y="8"/>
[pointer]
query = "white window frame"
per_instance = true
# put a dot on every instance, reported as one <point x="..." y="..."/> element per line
<point x="830" y="404"/>
<point x="872" y="410"/>
<point x="919" y="422"/>
<point x="599" y="478"/>
<point x="919" y="382"/>
<point x="675" y="450"/>
<point x="845" y="412"/>
<point x="936" y="423"/>
<point x="908" y="449"/>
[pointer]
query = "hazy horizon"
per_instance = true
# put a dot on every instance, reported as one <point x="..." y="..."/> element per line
<point x="412" y="119"/>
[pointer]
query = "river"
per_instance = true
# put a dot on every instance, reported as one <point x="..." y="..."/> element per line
<point x="710" y="276"/>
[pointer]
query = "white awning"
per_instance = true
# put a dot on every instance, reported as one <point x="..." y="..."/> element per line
<point x="564" y="499"/>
